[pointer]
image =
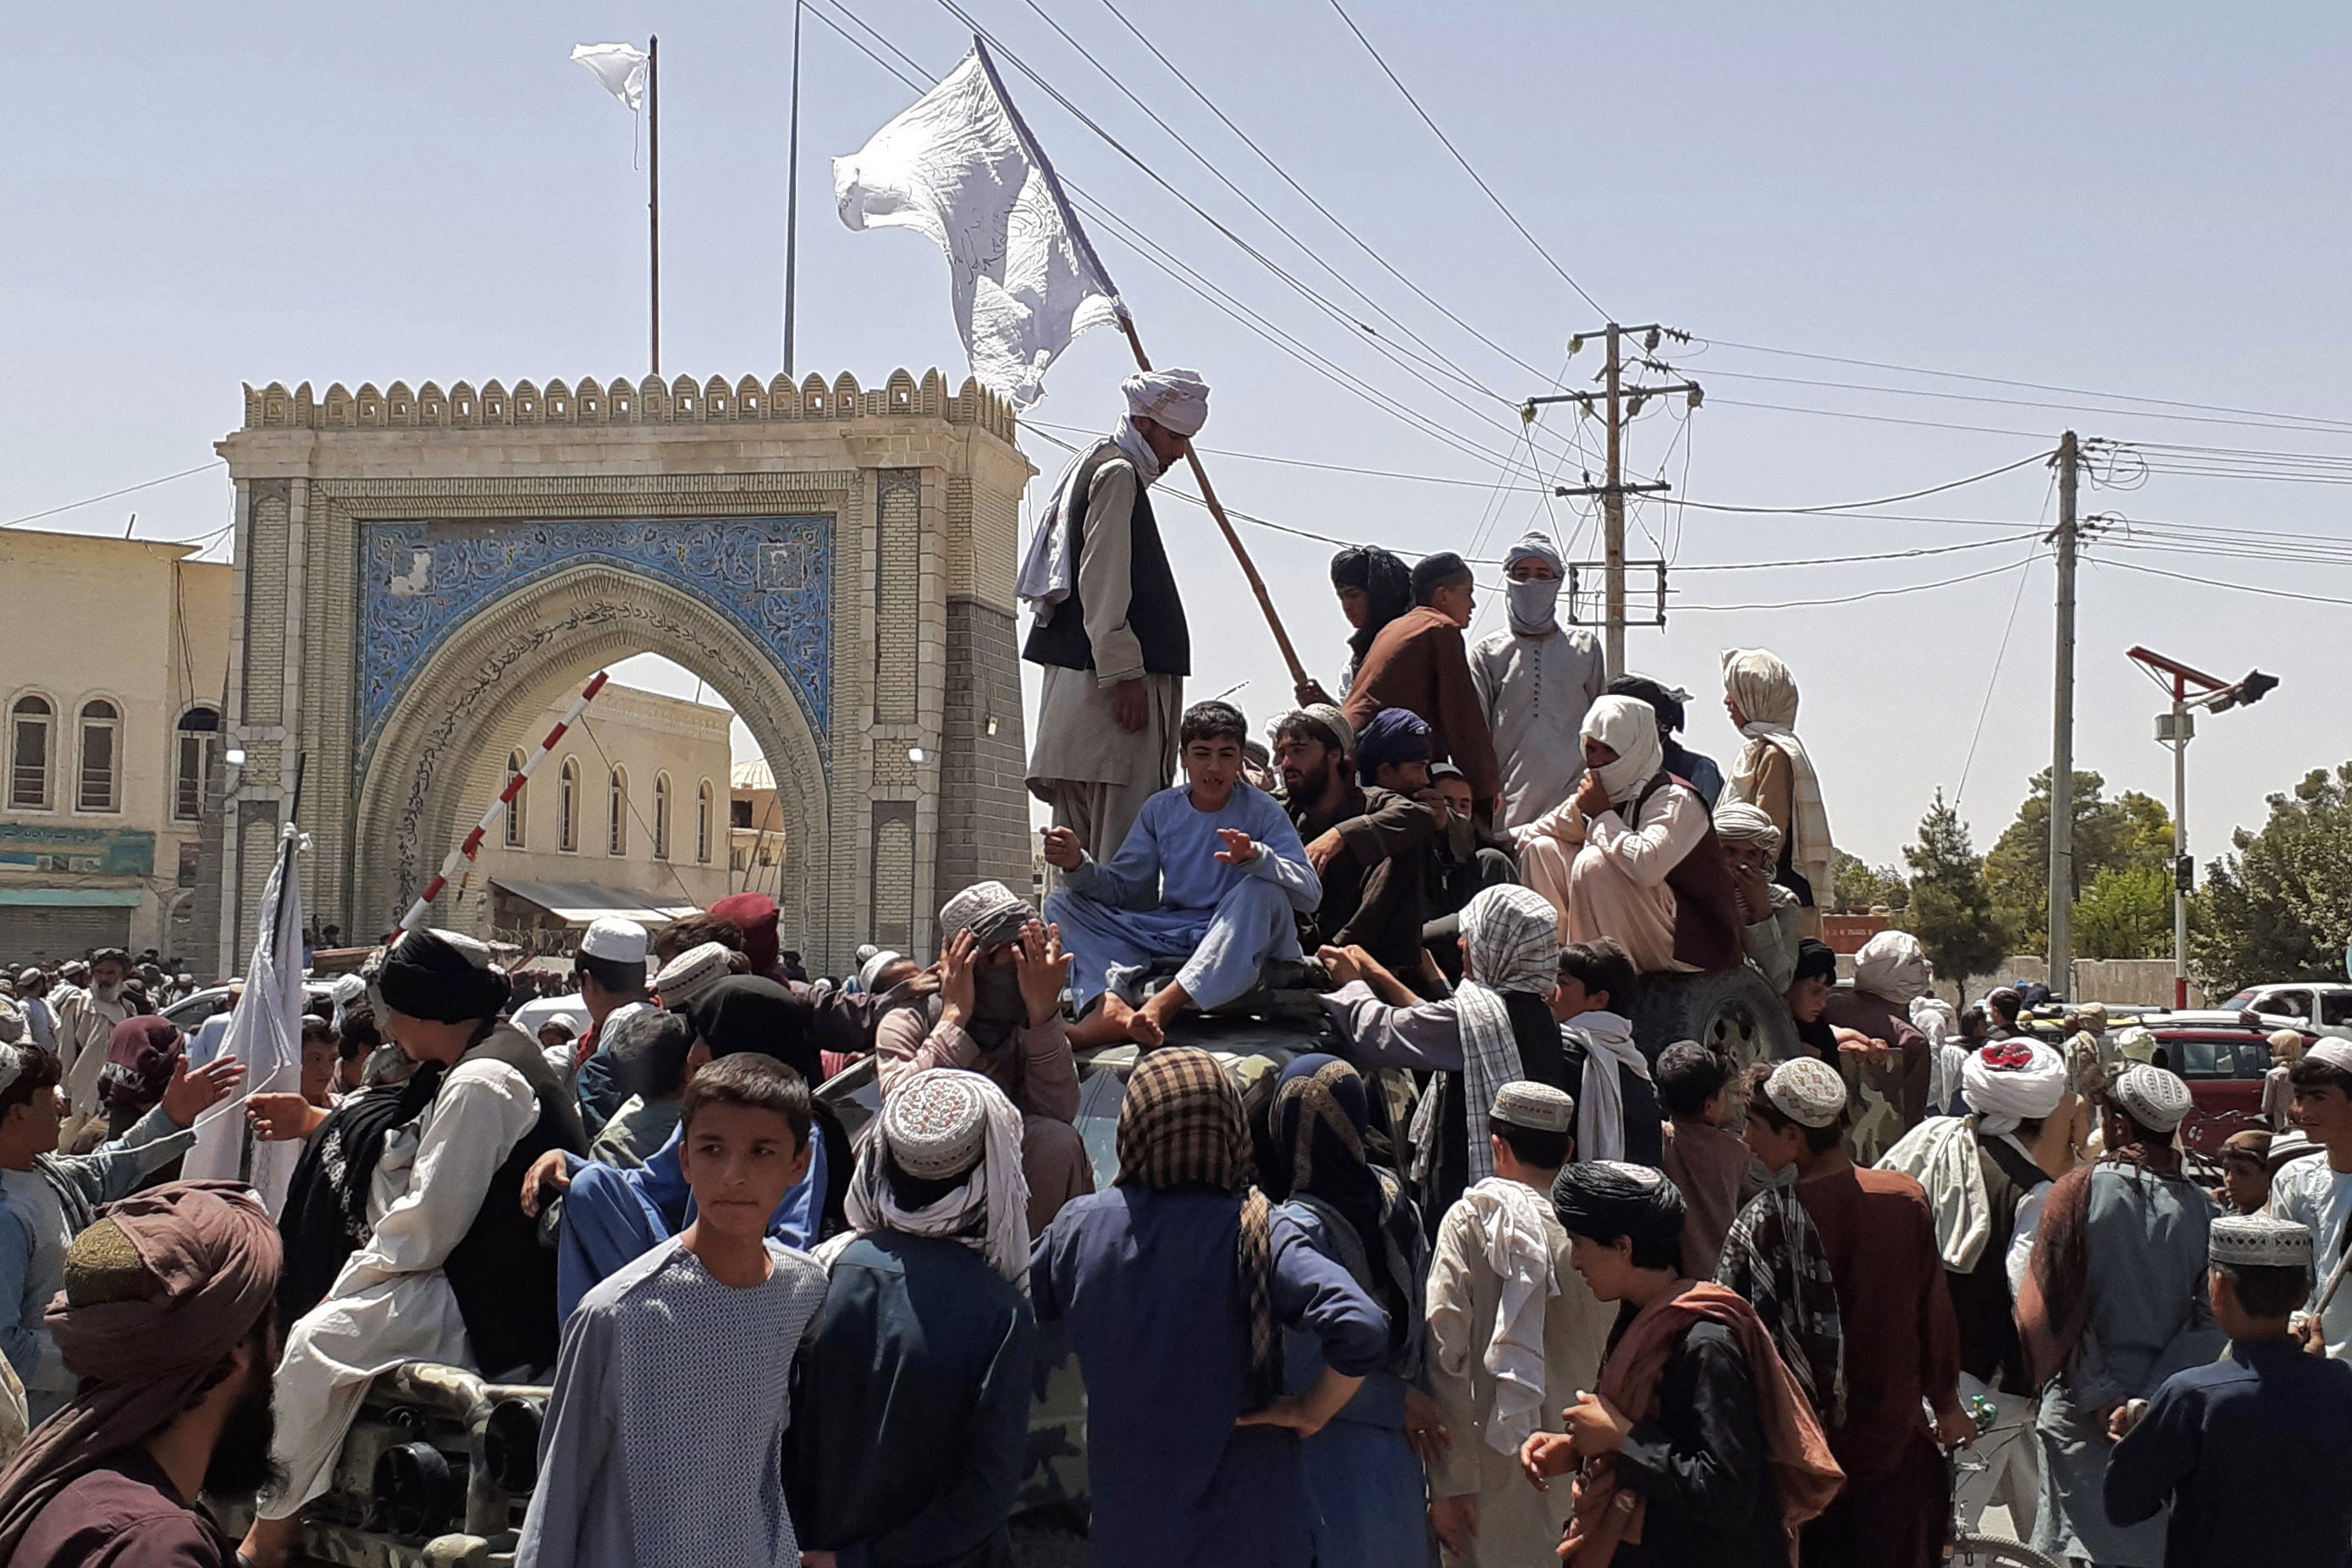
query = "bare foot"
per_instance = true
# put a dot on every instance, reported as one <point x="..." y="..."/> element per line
<point x="1143" y="1028"/>
<point x="1105" y="1025"/>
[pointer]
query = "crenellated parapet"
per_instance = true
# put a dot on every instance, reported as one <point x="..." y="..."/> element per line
<point x="652" y="401"/>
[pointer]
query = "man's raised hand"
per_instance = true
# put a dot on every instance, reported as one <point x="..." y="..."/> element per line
<point x="1240" y="849"/>
<point x="1062" y="851"/>
<point x="958" y="990"/>
<point x="1045" y="971"/>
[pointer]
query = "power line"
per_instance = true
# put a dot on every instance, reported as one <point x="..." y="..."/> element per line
<point x="1714" y="370"/>
<point x="1880" y="500"/>
<point x="2215" y="582"/>
<point x="127" y="490"/>
<point x="1477" y="178"/>
<point x="1857" y="598"/>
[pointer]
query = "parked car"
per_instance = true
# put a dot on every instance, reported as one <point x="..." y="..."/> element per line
<point x="190" y="1012"/>
<point x="2223" y="1058"/>
<point x="2321" y="1005"/>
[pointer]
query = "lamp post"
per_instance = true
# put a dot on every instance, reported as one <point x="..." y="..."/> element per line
<point x="2175" y="729"/>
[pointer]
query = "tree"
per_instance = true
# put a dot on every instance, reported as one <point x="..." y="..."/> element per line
<point x="2126" y="913"/>
<point x="1951" y="908"/>
<point x="1862" y="887"/>
<point x="2131" y="831"/>
<point x="2279" y="906"/>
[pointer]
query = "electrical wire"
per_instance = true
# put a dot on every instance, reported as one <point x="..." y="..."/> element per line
<point x="1986" y="397"/>
<point x="2215" y="582"/>
<point x="127" y="490"/>
<point x="1857" y="598"/>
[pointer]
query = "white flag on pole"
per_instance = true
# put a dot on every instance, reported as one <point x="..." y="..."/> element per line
<point x="960" y="166"/>
<point x="619" y="66"/>
<point x="265" y="1033"/>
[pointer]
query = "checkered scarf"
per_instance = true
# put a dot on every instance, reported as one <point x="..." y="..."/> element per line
<point x="1181" y="1124"/>
<point x="1512" y="935"/>
<point x="1774" y="1257"/>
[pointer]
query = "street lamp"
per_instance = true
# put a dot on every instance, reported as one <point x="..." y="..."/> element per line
<point x="2177" y="729"/>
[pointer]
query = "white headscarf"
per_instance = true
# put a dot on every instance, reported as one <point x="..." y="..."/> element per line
<point x="1766" y="694"/>
<point x="989" y="1213"/>
<point x="1519" y="1251"/>
<point x="1893" y="966"/>
<point x="1530" y="602"/>
<point x="2011" y="1082"/>
<point x="1178" y="399"/>
<point x="1736" y="822"/>
<point x="1628" y="727"/>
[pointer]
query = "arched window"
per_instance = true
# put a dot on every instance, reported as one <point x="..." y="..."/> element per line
<point x="567" y="808"/>
<point x="29" y="725"/>
<point x="199" y="734"/>
<point x="518" y="808"/>
<point x="702" y="823"/>
<point x="661" y="816"/>
<point x="101" y="729"/>
<point x="616" y="823"/>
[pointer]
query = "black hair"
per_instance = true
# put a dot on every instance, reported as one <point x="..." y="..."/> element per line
<point x="1299" y="726"/>
<point x="318" y="1031"/>
<point x="2310" y="1074"/>
<point x="360" y="1034"/>
<point x="755" y="1082"/>
<point x="2267" y="1290"/>
<point x="1642" y="688"/>
<point x="1688" y="1075"/>
<point x="1213" y="721"/>
<point x="1649" y="1251"/>
<point x="1815" y="961"/>
<point x="1602" y="966"/>
<point x="1529" y="1145"/>
<point x="39" y="1071"/>
<point x="611" y="974"/>
<point x="2006" y="1004"/>
<point x="1820" y="1139"/>
<point x="1442" y="570"/>
<point x="1974" y="1025"/>
<point x="649" y="1055"/>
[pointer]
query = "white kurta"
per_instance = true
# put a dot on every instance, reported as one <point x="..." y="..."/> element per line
<point x="1607" y="879"/>
<point x="1535" y="692"/>
<point x="392" y="1303"/>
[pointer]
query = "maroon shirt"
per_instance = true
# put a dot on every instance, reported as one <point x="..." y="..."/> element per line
<point x="123" y="1513"/>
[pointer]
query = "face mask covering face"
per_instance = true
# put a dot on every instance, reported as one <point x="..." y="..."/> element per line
<point x="1531" y="603"/>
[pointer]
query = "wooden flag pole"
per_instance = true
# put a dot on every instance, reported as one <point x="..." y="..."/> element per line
<point x="1217" y="511"/>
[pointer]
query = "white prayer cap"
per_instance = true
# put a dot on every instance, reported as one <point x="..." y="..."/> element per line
<point x="1893" y="966"/>
<point x="1538" y="1107"/>
<point x="2330" y="1052"/>
<point x="936" y="1125"/>
<point x="1178" y="399"/>
<point x="2258" y="1241"/>
<point x="692" y="972"/>
<point x="2152" y="1097"/>
<point x="615" y="939"/>
<point x="2135" y="1044"/>
<point x="1807" y="1091"/>
<point x="1736" y="822"/>
<point x="871" y="970"/>
<point x="2010" y="1082"/>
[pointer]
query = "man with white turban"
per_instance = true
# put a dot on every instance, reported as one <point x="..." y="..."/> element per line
<point x="1110" y="630"/>
<point x="1769" y="929"/>
<point x="1986" y="1174"/>
<point x="1890" y="1081"/>
<point x="1776" y="773"/>
<point x="1535" y="678"/>
<point x="1633" y="854"/>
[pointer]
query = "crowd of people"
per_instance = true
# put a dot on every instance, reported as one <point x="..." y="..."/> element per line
<point x="1478" y="1272"/>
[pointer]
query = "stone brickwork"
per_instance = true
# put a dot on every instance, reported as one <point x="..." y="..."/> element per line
<point x="511" y="542"/>
<point x="985" y="804"/>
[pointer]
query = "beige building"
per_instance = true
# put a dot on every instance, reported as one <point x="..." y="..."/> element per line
<point x="758" y="845"/>
<point x="624" y="816"/>
<point x="116" y="652"/>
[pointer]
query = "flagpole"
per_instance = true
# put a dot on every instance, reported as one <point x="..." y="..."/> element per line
<point x="652" y="204"/>
<point x="285" y="880"/>
<point x="1217" y="511"/>
<point x="793" y="198"/>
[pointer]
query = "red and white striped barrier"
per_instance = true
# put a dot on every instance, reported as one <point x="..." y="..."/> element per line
<point x="471" y="845"/>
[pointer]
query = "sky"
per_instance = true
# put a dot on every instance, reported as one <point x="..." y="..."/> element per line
<point x="2141" y="200"/>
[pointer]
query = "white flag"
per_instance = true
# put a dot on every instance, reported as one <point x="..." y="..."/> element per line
<point x="265" y="1033"/>
<point x="962" y="167"/>
<point x="620" y="67"/>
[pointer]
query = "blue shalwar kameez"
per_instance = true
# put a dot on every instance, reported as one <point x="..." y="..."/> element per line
<point x="1166" y="895"/>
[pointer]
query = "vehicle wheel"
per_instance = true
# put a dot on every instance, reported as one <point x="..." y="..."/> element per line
<point x="1995" y="1552"/>
<point x="1732" y="1010"/>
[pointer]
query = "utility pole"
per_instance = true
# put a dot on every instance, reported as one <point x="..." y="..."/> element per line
<point x="1622" y="403"/>
<point x="653" y="186"/>
<point x="2062" y="740"/>
<point x="792" y="198"/>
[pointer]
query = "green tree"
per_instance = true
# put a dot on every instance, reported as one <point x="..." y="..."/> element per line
<point x="1951" y="908"/>
<point x="2279" y="906"/>
<point x="2126" y="913"/>
<point x="1862" y="887"/>
<point x="2133" y="831"/>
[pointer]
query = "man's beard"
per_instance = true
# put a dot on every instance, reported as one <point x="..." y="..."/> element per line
<point x="241" y="1465"/>
<point x="108" y="992"/>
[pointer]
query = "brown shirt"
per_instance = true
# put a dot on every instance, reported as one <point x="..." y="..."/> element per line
<point x="1717" y="1175"/>
<point x="123" y="1513"/>
<point x="1034" y="1068"/>
<point x="1418" y="663"/>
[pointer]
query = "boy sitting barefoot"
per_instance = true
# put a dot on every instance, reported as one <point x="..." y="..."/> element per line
<point x="1212" y="873"/>
<point x="695" y="1339"/>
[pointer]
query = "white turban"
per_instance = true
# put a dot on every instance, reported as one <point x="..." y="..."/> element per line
<point x="1892" y="964"/>
<point x="1629" y="727"/>
<point x="1178" y="399"/>
<point x="2010" y="1082"/>
<point x="1736" y="822"/>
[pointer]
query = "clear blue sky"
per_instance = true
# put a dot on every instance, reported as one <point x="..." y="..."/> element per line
<point x="2141" y="198"/>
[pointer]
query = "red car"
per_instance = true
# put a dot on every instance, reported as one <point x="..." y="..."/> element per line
<point x="2223" y="1061"/>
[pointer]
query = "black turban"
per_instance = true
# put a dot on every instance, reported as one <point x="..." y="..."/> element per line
<point x="1642" y="688"/>
<point x="1602" y="1200"/>
<point x="1394" y="735"/>
<point x="1434" y="572"/>
<point x="748" y="1012"/>
<point x="1815" y="961"/>
<point x="442" y="977"/>
<point x="1387" y="585"/>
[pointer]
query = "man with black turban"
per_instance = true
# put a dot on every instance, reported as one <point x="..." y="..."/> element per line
<point x="444" y="1276"/>
<point x="1418" y="663"/>
<point x="1375" y="588"/>
<point x="165" y="1318"/>
<point x="1696" y="1445"/>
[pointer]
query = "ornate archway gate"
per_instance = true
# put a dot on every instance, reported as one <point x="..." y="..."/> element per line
<point x="419" y="572"/>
